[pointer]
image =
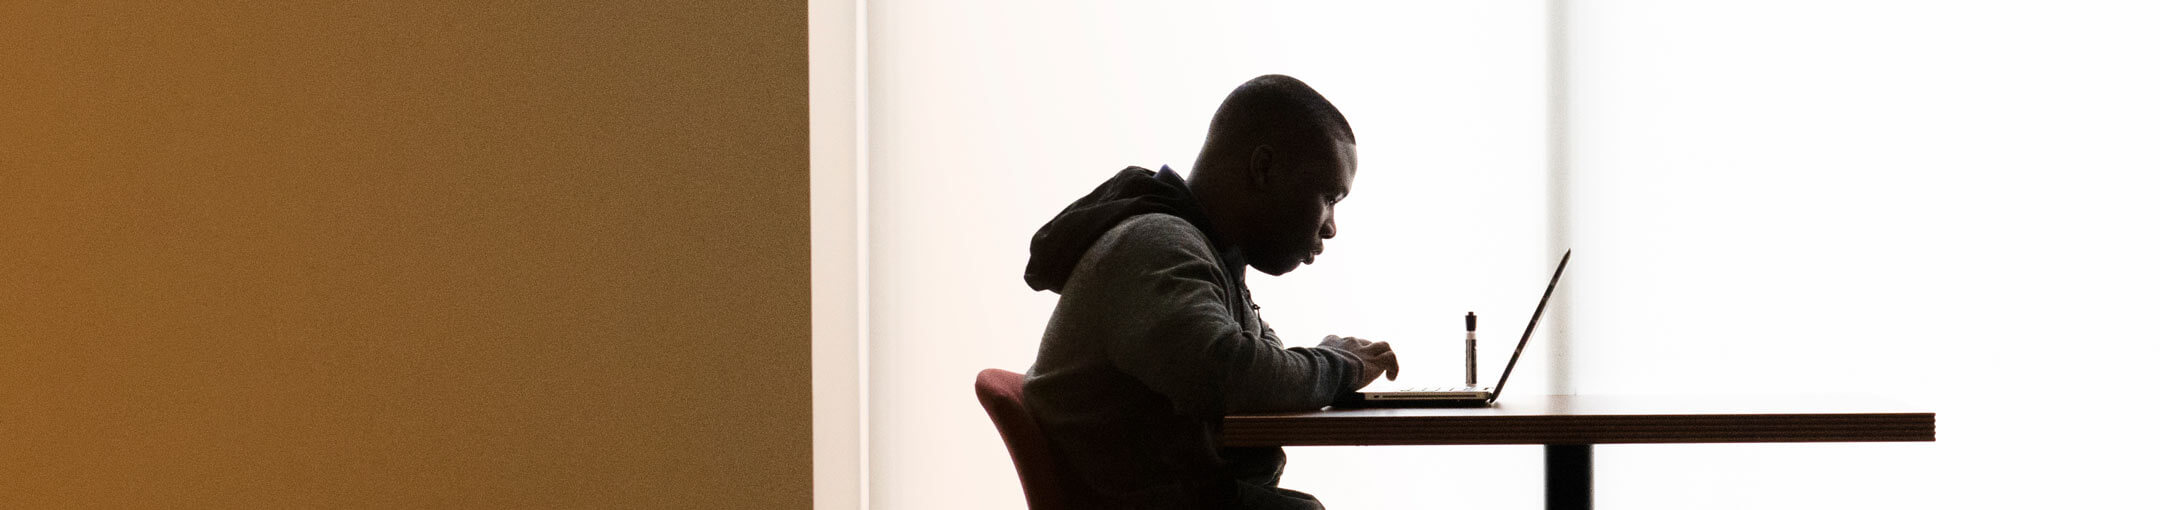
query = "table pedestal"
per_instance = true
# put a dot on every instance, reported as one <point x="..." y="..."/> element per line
<point x="1567" y="476"/>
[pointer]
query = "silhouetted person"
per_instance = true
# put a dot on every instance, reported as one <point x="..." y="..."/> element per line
<point x="1155" y="336"/>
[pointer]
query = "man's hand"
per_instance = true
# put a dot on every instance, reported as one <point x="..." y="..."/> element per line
<point x="1374" y="358"/>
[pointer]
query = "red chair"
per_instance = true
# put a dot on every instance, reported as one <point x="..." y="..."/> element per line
<point x="1044" y="483"/>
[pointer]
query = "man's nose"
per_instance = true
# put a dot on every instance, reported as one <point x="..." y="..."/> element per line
<point x="1327" y="229"/>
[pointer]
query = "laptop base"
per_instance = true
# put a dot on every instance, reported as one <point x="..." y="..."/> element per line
<point x="1361" y="402"/>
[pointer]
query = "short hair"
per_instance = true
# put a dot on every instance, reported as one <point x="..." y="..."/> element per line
<point x="1277" y="110"/>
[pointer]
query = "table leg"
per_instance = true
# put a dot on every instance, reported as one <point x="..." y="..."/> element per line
<point x="1567" y="476"/>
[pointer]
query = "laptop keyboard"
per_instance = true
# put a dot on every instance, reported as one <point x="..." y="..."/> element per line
<point x="1424" y="389"/>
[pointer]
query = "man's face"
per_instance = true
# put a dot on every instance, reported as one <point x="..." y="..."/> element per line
<point x="1298" y="214"/>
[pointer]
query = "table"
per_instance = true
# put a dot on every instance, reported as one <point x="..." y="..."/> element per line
<point x="1569" y="425"/>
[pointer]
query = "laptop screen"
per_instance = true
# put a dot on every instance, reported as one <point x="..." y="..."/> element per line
<point x="1510" y="370"/>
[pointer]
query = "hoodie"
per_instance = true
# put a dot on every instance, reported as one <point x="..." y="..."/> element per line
<point x="1153" y="340"/>
<point x="1132" y="192"/>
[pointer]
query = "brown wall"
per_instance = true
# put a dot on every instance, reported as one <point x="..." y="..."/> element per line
<point x="404" y="256"/>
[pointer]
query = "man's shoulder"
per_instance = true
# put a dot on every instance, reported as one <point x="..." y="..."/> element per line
<point x="1159" y="225"/>
<point x="1155" y="234"/>
<point x="1132" y="260"/>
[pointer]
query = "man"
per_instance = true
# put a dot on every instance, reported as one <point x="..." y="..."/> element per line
<point x="1155" y="336"/>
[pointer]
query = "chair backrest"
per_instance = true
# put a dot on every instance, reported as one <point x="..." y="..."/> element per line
<point x="1040" y="478"/>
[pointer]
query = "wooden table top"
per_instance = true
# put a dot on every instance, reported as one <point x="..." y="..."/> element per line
<point x="1595" y="419"/>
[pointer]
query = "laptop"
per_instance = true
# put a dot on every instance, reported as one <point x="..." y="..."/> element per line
<point x="1460" y="396"/>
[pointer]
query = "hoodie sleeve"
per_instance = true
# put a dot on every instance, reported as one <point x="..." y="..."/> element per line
<point x="1353" y="372"/>
<point x="1177" y="334"/>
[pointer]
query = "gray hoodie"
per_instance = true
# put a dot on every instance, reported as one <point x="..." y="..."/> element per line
<point x="1153" y="340"/>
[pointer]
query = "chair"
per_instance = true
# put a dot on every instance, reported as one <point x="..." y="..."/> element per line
<point x="1041" y="479"/>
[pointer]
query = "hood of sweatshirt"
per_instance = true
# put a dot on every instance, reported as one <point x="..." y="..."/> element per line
<point x="1132" y="192"/>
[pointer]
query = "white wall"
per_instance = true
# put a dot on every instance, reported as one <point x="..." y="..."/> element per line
<point x="988" y="117"/>
<point x="1937" y="202"/>
<point x="1947" y="203"/>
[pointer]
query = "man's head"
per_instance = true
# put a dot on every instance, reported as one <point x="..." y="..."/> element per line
<point x="1278" y="157"/>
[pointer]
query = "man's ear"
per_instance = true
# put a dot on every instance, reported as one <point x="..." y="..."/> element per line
<point x="1261" y="166"/>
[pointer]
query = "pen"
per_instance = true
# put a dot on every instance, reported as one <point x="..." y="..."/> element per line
<point x="1470" y="349"/>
